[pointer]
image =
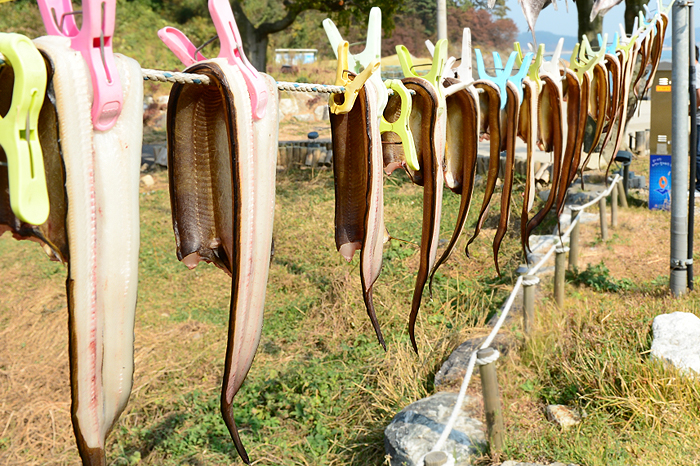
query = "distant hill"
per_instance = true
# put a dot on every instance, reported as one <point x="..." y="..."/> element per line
<point x="549" y="40"/>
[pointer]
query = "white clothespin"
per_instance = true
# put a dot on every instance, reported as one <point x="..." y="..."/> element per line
<point x="464" y="71"/>
<point x="373" y="51"/>
<point x="551" y="68"/>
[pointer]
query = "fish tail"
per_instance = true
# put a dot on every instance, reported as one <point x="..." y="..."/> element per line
<point x="227" y="414"/>
<point x="369" y="304"/>
<point x="415" y="307"/>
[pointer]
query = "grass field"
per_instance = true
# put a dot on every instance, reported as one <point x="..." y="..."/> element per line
<point x="321" y="390"/>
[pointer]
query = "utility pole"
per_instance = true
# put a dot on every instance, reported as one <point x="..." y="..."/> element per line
<point x="679" y="155"/>
<point x="441" y="19"/>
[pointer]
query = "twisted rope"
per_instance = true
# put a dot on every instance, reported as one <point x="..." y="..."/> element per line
<point x="531" y="282"/>
<point x="174" y="77"/>
<point x="488" y="359"/>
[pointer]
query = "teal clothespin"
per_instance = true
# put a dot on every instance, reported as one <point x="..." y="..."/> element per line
<point x="523" y="70"/>
<point x="612" y="48"/>
<point x="373" y="51"/>
<point x="401" y="126"/>
<point x="502" y="73"/>
<point x="19" y="138"/>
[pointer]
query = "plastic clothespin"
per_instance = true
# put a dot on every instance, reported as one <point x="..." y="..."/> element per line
<point x="551" y="67"/>
<point x="665" y="9"/>
<point x="372" y="51"/>
<point x="464" y="70"/>
<point x="612" y="48"/>
<point x="231" y="49"/>
<point x="533" y="71"/>
<point x="401" y="126"/>
<point x="436" y="69"/>
<point x="352" y="86"/>
<point x="502" y="76"/>
<point x="19" y="138"/>
<point x="583" y="59"/>
<point x="94" y="41"/>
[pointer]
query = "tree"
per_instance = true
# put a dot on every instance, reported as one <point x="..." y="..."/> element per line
<point x="585" y="25"/>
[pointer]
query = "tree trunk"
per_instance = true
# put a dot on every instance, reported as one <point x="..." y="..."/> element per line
<point x="255" y="39"/>
<point x="585" y="26"/>
<point x="632" y="9"/>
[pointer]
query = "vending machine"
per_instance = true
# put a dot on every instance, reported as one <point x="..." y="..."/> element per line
<point x="660" y="139"/>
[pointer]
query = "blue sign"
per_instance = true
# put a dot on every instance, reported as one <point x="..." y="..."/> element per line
<point x="660" y="182"/>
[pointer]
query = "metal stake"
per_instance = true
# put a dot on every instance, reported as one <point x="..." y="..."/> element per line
<point x="529" y="282"/>
<point x="603" y="220"/>
<point x="679" y="153"/>
<point x="559" y="275"/>
<point x="492" y="400"/>
<point x="613" y="205"/>
<point x="574" y="240"/>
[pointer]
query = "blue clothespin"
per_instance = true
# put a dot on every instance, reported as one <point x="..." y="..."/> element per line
<point x="612" y="48"/>
<point x="502" y="76"/>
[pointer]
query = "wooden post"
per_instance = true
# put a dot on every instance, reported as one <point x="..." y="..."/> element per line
<point x="559" y="277"/>
<point x="574" y="241"/>
<point x="603" y="220"/>
<point x="529" y="282"/>
<point x="613" y="205"/>
<point x="435" y="458"/>
<point x="492" y="400"/>
<point x="622" y="190"/>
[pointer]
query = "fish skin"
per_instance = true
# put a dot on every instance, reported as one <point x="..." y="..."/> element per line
<point x="511" y="132"/>
<point x="462" y="146"/>
<point x="492" y="116"/>
<point x="656" y="50"/>
<point x="576" y="112"/>
<point x="102" y="228"/>
<point x="428" y="129"/>
<point x="599" y="104"/>
<point x="551" y="117"/>
<point x="243" y="193"/>
<point x="526" y="131"/>
<point x="601" y="7"/>
<point x="358" y="163"/>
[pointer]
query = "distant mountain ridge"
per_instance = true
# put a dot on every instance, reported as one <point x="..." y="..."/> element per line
<point x="549" y="40"/>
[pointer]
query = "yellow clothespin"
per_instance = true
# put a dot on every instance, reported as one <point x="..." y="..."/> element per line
<point x="401" y="126"/>
<point x="352" y="86"/>
<point x="533" y="71"/>
<point x="436" y="70"/>
<point x="584" y="59"/>
<point x="19" y="139"/>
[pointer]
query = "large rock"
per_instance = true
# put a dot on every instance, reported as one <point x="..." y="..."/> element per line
<point x="454" y="368"/>
<point x="415" y="430"/>
<point x="677" y="340"/>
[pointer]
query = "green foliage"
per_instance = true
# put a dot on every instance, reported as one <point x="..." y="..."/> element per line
<point x="598" y="277"/>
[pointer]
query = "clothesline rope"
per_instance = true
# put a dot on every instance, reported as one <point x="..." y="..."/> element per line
<point x="439" y="445"/>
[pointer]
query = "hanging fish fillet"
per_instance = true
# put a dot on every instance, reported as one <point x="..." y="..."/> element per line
<point x="359" y="195"/>
<point x="527" y="132"/>
<point x="601" y="7"/>
<point x="490" y="103"/>
<point x="656" y="49"/>
<point x="428" y="129"/>
<point x="222" y="191"/>
<point x="511" y="132"/>
<point x="462" y="148"/>
<point x="531" y="10"/>
<point x="599" y="105"/>
<point x="550" y="118"/>
<point x="101" y="226"/>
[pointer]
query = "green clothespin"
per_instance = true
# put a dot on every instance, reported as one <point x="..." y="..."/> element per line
<point x="665" y="9"/>
<point x="436" y="70"/>
<point x="533" y="72"/>
<point x="373" y="51"/>
<point x="401" y="126"/>
<point x="352" y="86"/>
<point x="584" y="59"/>
<point x="19" y="139"/>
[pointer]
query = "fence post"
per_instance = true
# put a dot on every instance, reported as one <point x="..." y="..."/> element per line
<point x="613" y="205"/>
<point x="603" y="220"/>
<point x="574" y="239"/>
<point x="622" y="191"/>
<point x="559" y="271"/>
<point x="486" y="358"/>
<point x="435" y="458"/>
<point x="529" y="282"/>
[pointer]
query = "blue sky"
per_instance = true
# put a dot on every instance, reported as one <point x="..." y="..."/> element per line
<point x="562" y="23"/>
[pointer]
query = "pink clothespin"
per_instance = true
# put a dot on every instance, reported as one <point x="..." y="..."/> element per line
<point x="231" y="49"/>
<point x="94" y="42"/>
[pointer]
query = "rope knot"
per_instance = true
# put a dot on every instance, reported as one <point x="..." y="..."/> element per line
<point x="487" y="356"/>
<point x="561" y="249"/>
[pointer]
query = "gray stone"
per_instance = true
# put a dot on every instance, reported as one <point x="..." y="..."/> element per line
<point x="322" y="113"/>
<point x="454" y="368"/>
<point x="563" y="416"/>
<point x="677" y="341"/>
<point x="147" y="181"/>
<point x="161" y="155"/>
<point x="414" y="431"/>
<point x="307" y="117"/>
